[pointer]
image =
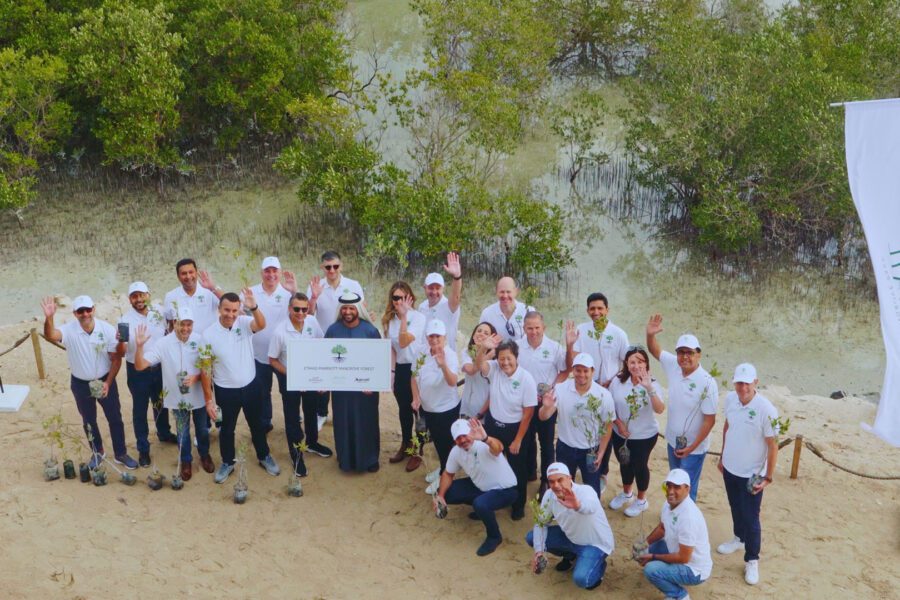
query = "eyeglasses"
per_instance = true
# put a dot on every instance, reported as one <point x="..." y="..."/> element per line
<point x="300" y="309"/>
<point x="510" y="329"/>
<point x="685" y="352"/>
<point x="398" y="298"/>
<point x="331" y="267"/>
<point x="82" y="311"/>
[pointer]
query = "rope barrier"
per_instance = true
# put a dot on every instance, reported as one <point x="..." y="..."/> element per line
<point x="57" y="344"/>
<point x="18" y="343"/>
<point x="812" y="448"/>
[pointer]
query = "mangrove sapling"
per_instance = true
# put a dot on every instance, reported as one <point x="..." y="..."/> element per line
<point x="589" y="420"/>
<point x="636" y="400"/>
<point x="98" y="473"/>
<point x="155" y="479"/>
<point x="182" y="418"/>
<point x="295" y="488"/>
<point x="419" y="439"/>
<point x="640" y="545"/>
<point x="205" y="361"/>
<point x="779" y="427"/>
<point x="541" y="516"/>
<point x="241" y="490"/>
<point x="53" y="427"/>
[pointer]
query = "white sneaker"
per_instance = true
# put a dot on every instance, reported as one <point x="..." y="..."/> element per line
<point x="685" y="597"/>
<point x="730" y="546"/>
<point x="602" y="484"/>
<point x="621" y="500"/>
<point x="320" y="421"/>
<point x="433" y="476"/>
<point x="751" y="572"/>
<point x="636" y="508"/>
<point x="432" y="488"/>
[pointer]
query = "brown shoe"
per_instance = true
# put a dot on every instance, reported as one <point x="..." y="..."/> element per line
<point x="186" y="471"/>
<point x="207" y="464"/>
<point x="413" y="463"/>
<point x="400" y="455"/>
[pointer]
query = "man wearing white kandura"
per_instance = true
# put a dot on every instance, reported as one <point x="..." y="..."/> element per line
<point x="582" y="534"/>
<point x="749" y="452"/>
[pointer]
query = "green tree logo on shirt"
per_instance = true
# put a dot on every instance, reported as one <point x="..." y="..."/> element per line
<point x="691" y="386"/>
<point x="516" y="384"/>
<point x="339" y="351"/>
<point x="609" y="339"/>
<point x="546" y="354"/>
<point x="309" y="330"/>
<point x="752" y="413"/>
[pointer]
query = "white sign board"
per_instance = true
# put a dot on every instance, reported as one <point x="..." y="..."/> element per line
<point x="12" y="397"/>
<point x="339" y="365"/>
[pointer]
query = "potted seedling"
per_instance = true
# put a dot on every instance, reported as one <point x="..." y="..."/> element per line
<point x="779" y="427"/>
<point x="53" y="427"/>
<point x="205" y="361"/>
<point x="639" y="546"/>
<point x="98" y="473"/>
<point x="155" y="479"/>
<point x="542" y="516"/>
<point x="182" y="415"/>
<point x="635" y="401"/>
<point x="600" y="324"/>
<point x="681" y="440"/>
<point x="589" y="420"/>
<point x="295" y="488"/>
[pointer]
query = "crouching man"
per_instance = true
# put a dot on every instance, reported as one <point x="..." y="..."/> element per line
<point x="491" y="484"/>
<point x="582" y="535"/>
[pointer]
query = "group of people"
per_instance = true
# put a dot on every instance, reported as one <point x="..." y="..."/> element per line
<point x="531" y="408"/>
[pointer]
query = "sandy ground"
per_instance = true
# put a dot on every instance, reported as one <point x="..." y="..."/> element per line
<point x="372" y="536"/>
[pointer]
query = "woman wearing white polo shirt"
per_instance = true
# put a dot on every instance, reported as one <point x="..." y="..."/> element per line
<point x="477" y="388"/>
<point x="405" y="327"/>
<point x="638" y="400"/>
<point x="434" y="391"/>
<point x="513" y="396"/>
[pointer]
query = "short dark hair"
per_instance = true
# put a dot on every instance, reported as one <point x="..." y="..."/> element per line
<point x="299" y="296"/>
<point x="330" y="255"/>
<point x="230" y="297"/>
<point x="533" y="314"/>
<point x="184" y="261"/>
<point x="597" y="296"/>
<point x="510" y="345"/>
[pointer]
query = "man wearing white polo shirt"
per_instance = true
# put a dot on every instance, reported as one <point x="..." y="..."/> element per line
<point x="678" y="548"/>
<point x="324" y="302"/>
<point x="94" y="361"/>
<point x="582" y="535"/>
<point x="438" y="306"/>
<point x="693" y="401"/>
<point x="177" y="356"/>
<point x="604" y="341"/>
<point x="507" y="314"/>
<point x="233" y="379"/>
<point x="145" y="385"/>
<point x="490" y="485"/>
<point x="749" y="452"/>
<point x="203" y="302"/>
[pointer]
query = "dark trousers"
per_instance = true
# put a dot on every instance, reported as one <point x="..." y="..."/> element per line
<point x="145" y="387"/>
<point x="403" y="394"/>
<point x="545" y="431"/>
<point x="577" y="458"/>
<point x="463" y="491"/>
<point x="744" y="514"/>
<point x="506" y="433"/>
<point x="87" y="408"/>
<point x="264" y="386"/>
<point x="439" y="427"/>
<point x="233" y="401"/>
<point x="638" y="466"/>
<point x="322" y="408"/>
<point x="291" y="402"/>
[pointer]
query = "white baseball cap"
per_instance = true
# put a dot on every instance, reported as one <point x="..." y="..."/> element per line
<point x="678" y="477"/>
<point x="82" y="302"/>
<point x="138" y="286"/>
<point x="270" y="261"/>
<point x="584" y="359"/>
<point x="185" y="314"/>
<point x="460" y="427"/>
<point x="434" y="278"/>
<point x="558" y="468"/>
<point x="744" y="373"/>
<point x="436" y="327"/>
<point x="688" y="340"/>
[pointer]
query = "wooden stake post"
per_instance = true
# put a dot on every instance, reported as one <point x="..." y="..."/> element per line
<point x="38" y="356"/>
<point x="798" y="445"/>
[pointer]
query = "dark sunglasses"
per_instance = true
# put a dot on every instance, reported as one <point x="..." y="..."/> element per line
<point x="331" y="267"/>
<point x="302" y="309"/>
<point x="397" y="298"/>
<point x="82" y="311"/>
<point x="510" y="329"/>
<point x="635" y="349"/>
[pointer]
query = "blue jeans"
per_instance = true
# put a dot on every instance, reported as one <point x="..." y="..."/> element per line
<point x="692" y="463"/>
<point x="669" y="578"/>
<point x="184" y="432"/>
<point x="145" y="387"/>
<point x="463" y="491"/>
<point x="744" y="514"/>
<point x="577" y="458"/>
<point x="591" y="560"/>
<point x="264" y="388"/>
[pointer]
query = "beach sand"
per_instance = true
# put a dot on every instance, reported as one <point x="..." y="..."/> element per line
<point x="374" y="535"/>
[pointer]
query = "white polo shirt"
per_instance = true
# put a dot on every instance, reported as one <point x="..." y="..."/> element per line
<point x="510" y="395"/>
<point x="685" y="408"/>
<point x="573" y="417"/>
<point x="607" y="349"/>
<point x="88" y="353"/>
<point x="586" y="526"/>
<point x="175" y="357"/>
<point x="233" y="348"/>
<point x="488" y="472"/>
<point x="156" y="328"/>
<point x="644" y="425"/>
<point x="415" y="325"/>
<point x="327" y="303"/>
<point x="203" y="304"/>
<point x="441" y="312"/>
<point x="493" y="315"/>
<point x="274" y="308"/>
<point x="475" y="390"/>
<point x="545" y="362"/>
<point x="434" y="391"/>
<point x="686" y="525"/>
<point x="745" y="452"/>
<point x="286" y="332"/>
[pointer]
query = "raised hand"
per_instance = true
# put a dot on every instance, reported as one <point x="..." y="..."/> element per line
<point x="477" y="429"/>
<point x="48" y="305"/>
<point x="439" y="356"/>
<point x="568" y="499"/>
<point x="571" y="333"/>
<point x="289" y="281"/>
<point x="316" y="286"/>
<point x="549" y="398"/>
<point x="643" y="377"/>
<point x="404" y="307"/>
<point x="249" y="299"/>
<point x="140" y="335"/>
<point x="491" y="342"/>
<point x="654" y="325"/>
<point x="206" y="281"/>
<point x="452" y="267"/>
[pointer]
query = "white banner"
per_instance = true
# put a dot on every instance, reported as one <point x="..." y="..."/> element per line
<point x="872" y="134"/>
<point x="339" y="365"/>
